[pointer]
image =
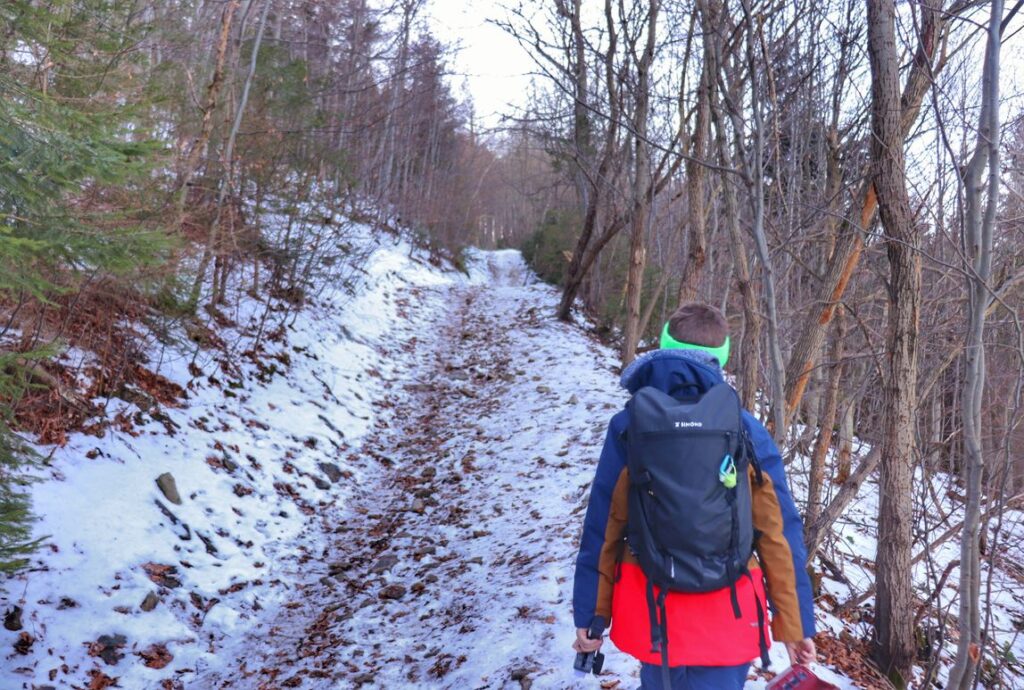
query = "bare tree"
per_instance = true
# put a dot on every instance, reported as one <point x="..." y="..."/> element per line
<point x="894" y="628"/>
<point x="641" y="200"/>
<point x="981" y="196"/>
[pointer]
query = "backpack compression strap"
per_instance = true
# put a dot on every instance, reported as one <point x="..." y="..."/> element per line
<point x="659" y="629"/>
<point x="762" y="641"/>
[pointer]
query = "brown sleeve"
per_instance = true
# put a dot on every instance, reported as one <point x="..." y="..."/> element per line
<point x="776" y="560"/>
<point x="611" y="550"/>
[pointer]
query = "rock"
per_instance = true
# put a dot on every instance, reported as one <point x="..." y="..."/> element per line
<point x="320" y="483"/>
<point x="364" y="678"/>
<point x="149" y="602"/>
<point x="425" y="551"/>
<point x="523" y="676"/>
<point x="573" y="400"/>
<point x="429" y="473"/>
<point x="431" y="578"/>
<point x="12" y="619"/>
<point x="108" y="648"/>
<point x="476" y="560"/>
<point x="384" y="563"/>
<point x="332" y="471"/>
<point x="418" y="588"/>
<point x="418" y="506"/>
<point x="394" y="591"/>
<point x="169" y="488"/>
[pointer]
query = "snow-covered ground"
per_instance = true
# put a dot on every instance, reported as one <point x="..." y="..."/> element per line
<point x="260" y="456"/>
<point x="388" y="495"/>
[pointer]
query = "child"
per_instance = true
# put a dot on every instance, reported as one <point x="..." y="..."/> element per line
<point x="710" y="636"/>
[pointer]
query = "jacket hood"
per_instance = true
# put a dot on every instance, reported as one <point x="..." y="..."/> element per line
<point x="668" y="370"/>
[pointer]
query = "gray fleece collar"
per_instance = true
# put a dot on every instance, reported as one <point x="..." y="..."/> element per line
<point x="699" y="356"/>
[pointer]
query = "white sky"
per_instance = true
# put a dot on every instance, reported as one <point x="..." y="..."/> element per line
<point x="494" y="70"/>
<point x="487" y="63"/>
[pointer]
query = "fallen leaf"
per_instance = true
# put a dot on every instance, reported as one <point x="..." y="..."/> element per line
<point x="163" y="575"/>
<point x="100" y="681"/>
<point x="156" y="656"/>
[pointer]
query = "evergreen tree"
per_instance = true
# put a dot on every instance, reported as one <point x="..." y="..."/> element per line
<point x="61" y="133"/>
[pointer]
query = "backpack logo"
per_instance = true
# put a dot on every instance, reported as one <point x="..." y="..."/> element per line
<point x="689" y="425"/>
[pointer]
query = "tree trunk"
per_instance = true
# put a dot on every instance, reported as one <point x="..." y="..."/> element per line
<point x="894" y="625"/>
<point x="750" y="344"/>
<point x="828" y="421"/>
<point x="978" y="225"/>
<point x="578" y="266"/>
<point x="226" y="182"/>
<point x="697" y="213"/>
<point x="641" y="191"/>
<point x="845" y="444"/>
<point x="756" y="177"/>
<point x="212" y="93"/>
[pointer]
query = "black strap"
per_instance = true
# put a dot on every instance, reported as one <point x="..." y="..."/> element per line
<point x="659" y="629"/>
<point x="730" y="568"/>
<point x="751" y="456"/>
<point x="762" y="640"/>
<point x="652" y="611"/>
<point x="666" y="676"/>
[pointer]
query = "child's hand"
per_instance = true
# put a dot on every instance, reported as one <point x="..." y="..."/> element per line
<point x="585" y="644"/>
<point x="801" y="652"/>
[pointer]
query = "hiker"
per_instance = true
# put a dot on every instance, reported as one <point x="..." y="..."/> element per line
<point x="715" y="547"/>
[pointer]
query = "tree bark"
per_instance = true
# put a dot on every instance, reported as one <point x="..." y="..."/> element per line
<point x="828" y="421"/>
<point x="578" y="266"/>
<point x="212" y="93"/>
<point x="696" y="172"/>
<point x="894" y="625"/>
<point x="756" y="180"/>
<point x="978" y="225"/>
<point x="750" y="344"/>
<point x="641" y="190"/>
<point x="227" y="166"/>
<point x="845" y="444"/>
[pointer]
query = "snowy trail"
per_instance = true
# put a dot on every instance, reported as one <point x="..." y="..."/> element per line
<point x="454" y="568"/>
<point x="452" y="564"/>
<point x="397" y="506"/>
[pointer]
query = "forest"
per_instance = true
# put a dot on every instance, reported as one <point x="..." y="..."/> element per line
<point x="844" y="179"/>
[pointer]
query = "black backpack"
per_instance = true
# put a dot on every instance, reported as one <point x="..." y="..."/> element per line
<point x="690" y="522"/>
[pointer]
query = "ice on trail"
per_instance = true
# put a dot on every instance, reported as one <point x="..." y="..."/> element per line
<point x="391" y="498"/>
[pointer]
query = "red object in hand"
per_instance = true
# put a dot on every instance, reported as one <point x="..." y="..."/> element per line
<point x="799" y="677"/>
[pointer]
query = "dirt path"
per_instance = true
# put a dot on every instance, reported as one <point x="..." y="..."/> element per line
<point x="453" y="568"/>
